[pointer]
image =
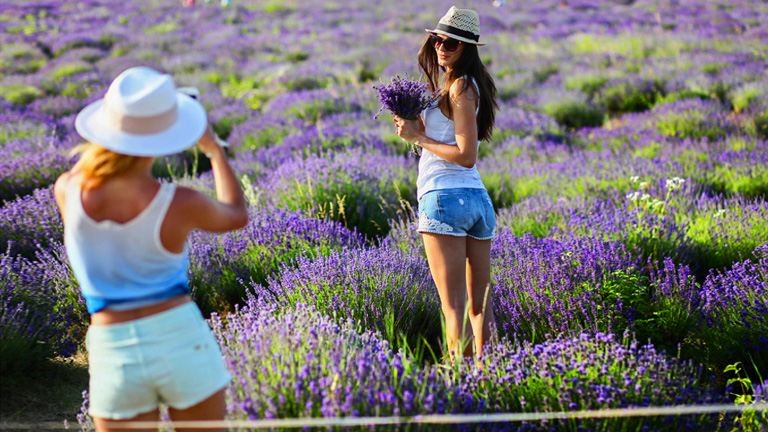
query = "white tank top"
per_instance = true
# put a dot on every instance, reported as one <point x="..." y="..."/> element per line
<point x="435" y="172"/>
<point x="123" y="262"/>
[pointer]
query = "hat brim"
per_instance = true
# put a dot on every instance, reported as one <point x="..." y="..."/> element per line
<point x="191" y="122"/>
<point x="457" y="37"/>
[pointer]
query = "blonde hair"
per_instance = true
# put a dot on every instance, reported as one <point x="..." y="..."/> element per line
<point x="98" y="164"/>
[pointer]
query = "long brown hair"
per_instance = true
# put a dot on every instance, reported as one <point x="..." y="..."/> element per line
<point x="469" y="64"/>
<point x="98" y="164"/>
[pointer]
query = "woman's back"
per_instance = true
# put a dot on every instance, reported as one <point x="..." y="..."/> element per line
<point x="113" y="239"/>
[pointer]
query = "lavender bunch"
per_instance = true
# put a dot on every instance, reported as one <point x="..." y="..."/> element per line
<point x="404" y="98"/>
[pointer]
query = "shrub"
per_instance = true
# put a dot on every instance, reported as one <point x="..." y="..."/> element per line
<point x="722" y="232"/>
<point x="361" y="190"/>
<point x="761" y="125"/>
<point x="381" y="288"/>
<point x="692" y="119"/>
<point x="747" y="95"/>
<point x="575" y="114"/>
<point x="69" y="69"/>
<point x="28" y="166"/>
<point x="589" y="84"/>
<point x="43" y="313"/>
<point x="582" y="372"/>
<point x="20" y="94"/>
<point x="30" y="223"/>
<point x="505" y="190"/>
<point x="273" y="240"/>
<point x="628" y="97"/>
<point x="546" y="287"/>
<point x="301" y="363"/>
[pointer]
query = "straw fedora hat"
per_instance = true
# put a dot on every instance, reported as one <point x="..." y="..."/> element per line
<point x="142" y="114"/>
<point x="460" y="24"/>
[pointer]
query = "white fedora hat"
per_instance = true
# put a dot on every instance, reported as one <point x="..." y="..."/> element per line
<point x="460" y="24"/>
<point x="142" y="114"/>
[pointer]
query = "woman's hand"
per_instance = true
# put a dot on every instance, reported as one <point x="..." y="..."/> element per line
<point x="409" y="130"/>
<point x="207" y="143"/>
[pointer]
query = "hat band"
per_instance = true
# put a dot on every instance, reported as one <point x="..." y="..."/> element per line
<point x="142" y="125"/>
<point x="458" y="32"/>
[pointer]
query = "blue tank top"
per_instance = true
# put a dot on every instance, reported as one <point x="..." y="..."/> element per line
<point x="123" y="265"/>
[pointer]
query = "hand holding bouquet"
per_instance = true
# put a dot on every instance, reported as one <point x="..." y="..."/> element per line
<point x="405" y="99"/>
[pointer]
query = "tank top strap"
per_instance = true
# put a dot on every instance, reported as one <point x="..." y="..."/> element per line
<point x="477" y="88"/>
<point x="155" y="210"/>
<point x="74" y="202"/>
<point x="161" y="203"/>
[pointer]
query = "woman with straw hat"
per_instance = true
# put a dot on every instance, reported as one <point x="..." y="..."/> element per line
<point x="125" y="235"/>
<point x="456" y="217"/>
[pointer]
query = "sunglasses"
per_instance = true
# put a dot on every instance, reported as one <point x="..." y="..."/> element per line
<point x="447" y="43"/>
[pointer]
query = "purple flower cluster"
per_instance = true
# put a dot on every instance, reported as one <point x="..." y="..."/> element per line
<point x="301" y="363"/>
<point x="348" y="187"/>
<point x="40" y="301"/>
<point x="380" y="288"/>
<point x="31" y="223"/>
<point x="404" y="98"/>
<point x="273" y="239"/>
<point x="546" y="287"/>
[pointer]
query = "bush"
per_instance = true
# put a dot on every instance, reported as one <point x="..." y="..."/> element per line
<point x="761" y="125"/>
<point x="30" y="223"/>
<point x="575" y="114"/>
<point x="381" y="288"/>
<point x="584" y="372"/>
<point x="273" y="240"/>
<point x="588" y="84"/>
<point x="628" y="97"/>
<point x="546" y="287"/>
<point x="20" y="94"/>
<point x="692" y="119"/>
<point x="301" y="363"/>
<point x="722" y="233"/>
<point x="43" y="313"/>
<point x="361" y="190"/>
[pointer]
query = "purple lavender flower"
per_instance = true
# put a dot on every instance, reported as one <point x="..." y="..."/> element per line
<point x="404" y="98"/>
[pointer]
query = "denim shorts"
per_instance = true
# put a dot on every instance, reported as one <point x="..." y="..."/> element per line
<point x="171" y="357"/>
<point x="458" y="212"/>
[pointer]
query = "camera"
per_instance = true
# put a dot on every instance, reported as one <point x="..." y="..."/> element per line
<point x="194" y="93"/>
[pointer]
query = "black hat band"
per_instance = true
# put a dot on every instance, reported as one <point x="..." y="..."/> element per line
<point x="458" y="32"/>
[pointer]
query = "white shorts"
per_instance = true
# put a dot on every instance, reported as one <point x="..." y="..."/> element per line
<point x="171" y="357"/>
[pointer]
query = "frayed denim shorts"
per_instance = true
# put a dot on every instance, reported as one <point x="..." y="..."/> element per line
<point x="171" y="357"/>
<point x="458" y="212"/>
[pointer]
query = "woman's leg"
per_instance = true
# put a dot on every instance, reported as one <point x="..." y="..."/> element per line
<point x="108" y="425"/>
<point x="212" y="408"/>
<point x="479" y="293"/>
<point x="447" y="256"/>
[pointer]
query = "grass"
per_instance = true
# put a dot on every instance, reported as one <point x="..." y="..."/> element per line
<point x="51" y="392"/>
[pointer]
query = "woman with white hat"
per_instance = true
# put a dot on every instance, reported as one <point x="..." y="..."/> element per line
<point x="125" y="235"/>
<point x="456" y="217"/>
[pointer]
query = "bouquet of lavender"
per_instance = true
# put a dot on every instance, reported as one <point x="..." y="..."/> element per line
<point x="404" y="98"/>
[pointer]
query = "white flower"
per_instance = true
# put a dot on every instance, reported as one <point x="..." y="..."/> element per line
<point x="674" y="183"/>
<point x="634" y="196"/>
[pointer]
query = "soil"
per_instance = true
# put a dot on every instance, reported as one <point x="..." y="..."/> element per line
<point x="48" y="393"/>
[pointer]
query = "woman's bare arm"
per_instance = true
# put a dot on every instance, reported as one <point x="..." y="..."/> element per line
<point x="464" y="153"/>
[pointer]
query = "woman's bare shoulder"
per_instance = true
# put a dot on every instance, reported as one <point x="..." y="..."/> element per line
<point x="461" y="88"/>
<point x="186" y="196"/>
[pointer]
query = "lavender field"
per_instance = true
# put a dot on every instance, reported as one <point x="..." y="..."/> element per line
<point x="628" y="168"/>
